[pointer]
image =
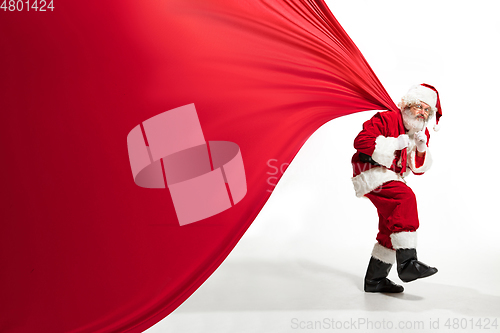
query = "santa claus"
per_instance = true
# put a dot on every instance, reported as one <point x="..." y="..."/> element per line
<point x="390" y="147"/>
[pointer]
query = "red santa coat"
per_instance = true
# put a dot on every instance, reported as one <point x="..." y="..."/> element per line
<point x="378" y="139"/>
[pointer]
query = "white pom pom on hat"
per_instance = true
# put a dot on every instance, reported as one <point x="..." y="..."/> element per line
<point x="429" y="95"/>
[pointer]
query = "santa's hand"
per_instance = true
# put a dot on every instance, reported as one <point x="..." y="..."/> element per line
<point x="403" y="141"/>
<point x="420" y="141"/>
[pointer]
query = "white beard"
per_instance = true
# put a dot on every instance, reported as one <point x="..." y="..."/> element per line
<point x="412" y="123"/>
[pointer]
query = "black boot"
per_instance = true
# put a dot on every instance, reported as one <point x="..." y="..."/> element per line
<point x="376" y="280"/>
<point x="409" y="268"/>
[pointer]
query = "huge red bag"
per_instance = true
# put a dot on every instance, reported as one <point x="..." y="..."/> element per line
<point x="83" y="248"/>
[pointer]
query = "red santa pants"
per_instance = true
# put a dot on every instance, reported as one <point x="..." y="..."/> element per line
<point x="397" y="210"/>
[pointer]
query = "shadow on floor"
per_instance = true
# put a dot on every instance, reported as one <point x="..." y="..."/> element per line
<point x="253" y="285"/>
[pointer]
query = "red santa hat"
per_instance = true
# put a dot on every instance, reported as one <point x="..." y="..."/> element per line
<point x="427" y="94"/>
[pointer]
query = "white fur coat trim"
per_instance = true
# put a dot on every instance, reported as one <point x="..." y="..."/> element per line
<point x="404" y="240"/>
<point x="372" y="178"/>
<point x="384" y="254"/>
<point x="427" y="161"/>
<point x="385" y="147"/>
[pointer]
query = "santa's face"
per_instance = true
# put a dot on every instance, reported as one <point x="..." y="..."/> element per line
<point x="421" y="111"/>
<point x="416" y="116"/>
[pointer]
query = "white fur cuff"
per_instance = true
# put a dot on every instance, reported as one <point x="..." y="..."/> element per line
<point x="384" y="254"/>
<point x="385" y="148"/>
<point x="404" y="240"/>
<point x="427" y="161"/>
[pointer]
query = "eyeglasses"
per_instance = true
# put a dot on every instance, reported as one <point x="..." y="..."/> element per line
<point x="419" y="107"/>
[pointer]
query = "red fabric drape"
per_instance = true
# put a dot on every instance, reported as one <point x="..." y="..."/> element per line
<point x="84" y="249"/>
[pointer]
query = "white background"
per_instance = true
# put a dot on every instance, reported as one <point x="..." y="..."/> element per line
<point x="303" y="260"/>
